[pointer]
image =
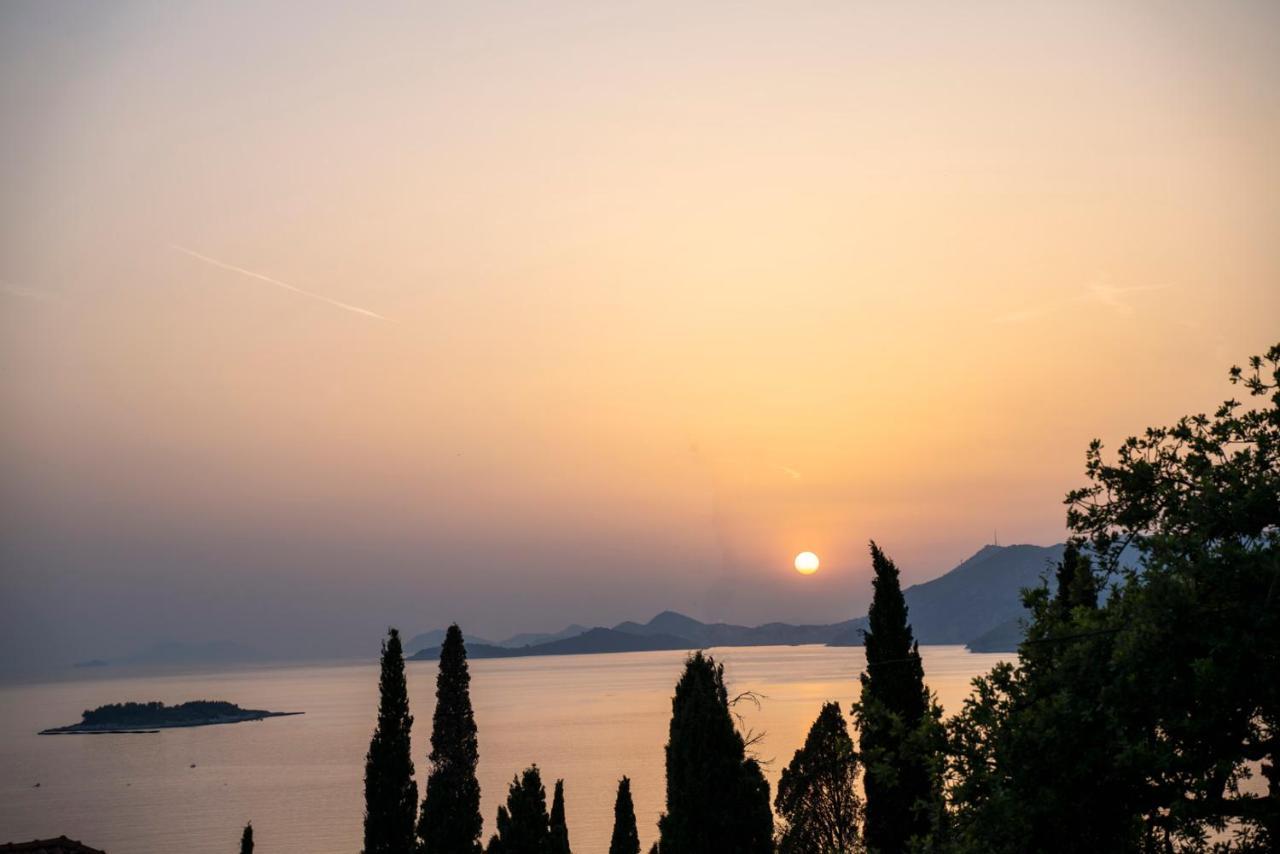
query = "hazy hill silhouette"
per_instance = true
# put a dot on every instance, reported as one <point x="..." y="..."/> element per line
<point x="532" y="638"/>
<point x="183" y="654"/>
<point x="1003" y="638"/>
<point x="593" y="641"/>
<point x="728" y="634"/>
<point x="979" y="601"/>
<point x="435" y="637"/>
<point x="980" y="594"/>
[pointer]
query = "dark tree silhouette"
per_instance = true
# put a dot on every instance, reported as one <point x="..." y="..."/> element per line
<point x="1040" y="757"/>
<point x="1132" y="724"/>
<point x="246" y="839"/>
<point x="897" y="724"/>
<point x="450" y="822"/>
<point x="559" y="830"/>
<point x="523" y="824"/>
<point x="390" y="793"/>
<point x="717" y="798"/>
<point x="625" y="839"/>
<point x="817" y="794"/>
<point x="1077" y="586"/>
<point x="1196" y="630"/>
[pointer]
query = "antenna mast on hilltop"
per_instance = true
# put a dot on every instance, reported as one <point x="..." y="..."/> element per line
<point x="995" y="537"/>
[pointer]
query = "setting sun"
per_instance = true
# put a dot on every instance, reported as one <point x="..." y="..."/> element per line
<point x="806" y="563"/>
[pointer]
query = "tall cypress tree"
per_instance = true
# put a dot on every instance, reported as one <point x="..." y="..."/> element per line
<point x="893" y="714"/>
<point x="559" y="830"/>
<point x="717" y="798"/>
<point x="450" y="822"/>
<point x="246" y="839"/>
<point x="390" y="794"/>
<point x="625" y="839"/>
<point x="523" y="824"/>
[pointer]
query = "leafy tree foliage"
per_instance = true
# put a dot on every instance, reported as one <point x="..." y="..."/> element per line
<point x="899" y="730"/>
<point x="717" y="797"/>
<point x="1142" y="723"/>
<point x="817" y="795"/>
<point x="450" y="822"/>
<point x="523" y="824"/>
<point x="390" y="793"/>
<point x="246" y="839"/>
<point x="625" y="839"/>
<point x="559" y="830"/>
<point x="1197" y="647"/>
<point x="1039" y="753"/>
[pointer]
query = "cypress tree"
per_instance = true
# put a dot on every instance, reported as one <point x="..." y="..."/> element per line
<point x="450" y="822"/>
<point x="523" y="824"/>
<point x="625" y="839"/>
<point x="559" y="830"/>
<point x="817" y="794"/>
<point x="1077" y="587"/>
<point x="717" y="798"/>
<point x="246" y="839"/>
<point x="390" y="794"/>
<point x="894" y="709"/>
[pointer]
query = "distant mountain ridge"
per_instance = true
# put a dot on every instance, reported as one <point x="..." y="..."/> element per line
<point x="979" y="594"/>
<point x="183" y="654"/>
<point x="533" y="638"/>
<point x="978" y="603"/>
<point x="435" y="637"/>
<point x="591" y="642"/>
<point x="727" y="634"/>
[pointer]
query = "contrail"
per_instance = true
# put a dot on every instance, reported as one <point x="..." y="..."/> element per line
<point x="297" y="290"/>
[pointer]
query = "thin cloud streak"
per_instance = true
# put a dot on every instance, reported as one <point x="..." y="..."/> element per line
<point x="1111" y="297"/>
<point x="35" y="294"/>
<point x="297" y="290"/>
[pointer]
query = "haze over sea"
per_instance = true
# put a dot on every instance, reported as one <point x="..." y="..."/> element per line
<point x="588" y="719"/>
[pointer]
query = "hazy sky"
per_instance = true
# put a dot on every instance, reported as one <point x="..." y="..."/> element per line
<point x="315" y="318"/>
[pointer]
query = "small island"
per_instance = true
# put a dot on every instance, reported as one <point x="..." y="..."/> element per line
<point x="155" y="716"/>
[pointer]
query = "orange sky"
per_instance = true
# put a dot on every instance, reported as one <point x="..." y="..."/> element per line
<point x="526" y="313"/>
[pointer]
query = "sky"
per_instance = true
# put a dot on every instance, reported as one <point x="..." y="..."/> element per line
<point x="316" y="318"/>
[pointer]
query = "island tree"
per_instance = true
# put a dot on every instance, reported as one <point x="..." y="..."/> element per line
<point x="246" y="839"/>
<point x="717" y="797"/>
<point x="817" y="795"/>
<point x="390" y="793"/>
<point x="450" y="822"/>
<point x="899" y="731"/>
<point x="625" y="839"/>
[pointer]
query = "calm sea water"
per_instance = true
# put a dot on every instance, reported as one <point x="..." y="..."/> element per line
<point x="587" y="719"/>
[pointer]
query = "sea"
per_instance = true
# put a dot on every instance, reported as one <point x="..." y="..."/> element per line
<point x="586" y="719"/>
